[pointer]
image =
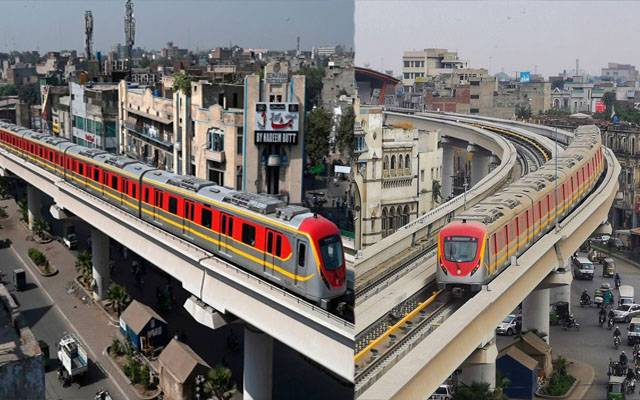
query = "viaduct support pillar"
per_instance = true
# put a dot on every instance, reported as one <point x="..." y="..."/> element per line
<point x="481" y="366"/>
<point x="447" y="169"/>
<point x="100" y="261"/>
<point x="479" y="164"/>
<point x="535" y="312"/>
<point x="34" y="204"/>
<point x="258" y="365"/>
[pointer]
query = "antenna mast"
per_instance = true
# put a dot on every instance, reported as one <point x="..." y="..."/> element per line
<point x="88" y="35"/>
<point x="129" y="34"/>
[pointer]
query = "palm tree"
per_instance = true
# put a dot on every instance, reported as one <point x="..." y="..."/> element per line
<point x="40" y="226"/>
<point x="475" y="391"/>
<point x="218" y="383"/>
<point x="118" y="296"/>
<point x="84" y="265"/>
<point x="24" y="211"/>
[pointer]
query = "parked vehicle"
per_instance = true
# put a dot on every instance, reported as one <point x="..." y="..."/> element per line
<point x="582" y="268"/>
<point x="615" y="243"/>
<point x="444" y="392"/>
<point x="608" y="267"/>
<point x="626" y="295"/>
<point x="510" y="325"/>
<point x="626" y="312"/>
<point x="633" y="331"/>
<point x="73" y="358"/>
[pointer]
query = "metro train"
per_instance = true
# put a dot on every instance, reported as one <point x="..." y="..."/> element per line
<point x="286" y="244"/>
<point x="480" y="242"/>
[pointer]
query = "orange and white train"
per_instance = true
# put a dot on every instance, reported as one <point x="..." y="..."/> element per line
<point x="480" y="242"/>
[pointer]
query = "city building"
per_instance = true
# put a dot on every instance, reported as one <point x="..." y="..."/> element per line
<point x="21" y="359"/>
<point x="620" y="72"/>
<point x="375" y="87"/>
<point x="394" y="175"/>
<point x="274" y="132"/>
<point x="94" y="112"/>
<point x="428" y="63"/>
<point x="143" y="327"/>
<point x="22" y="74"/>
<point x="338" y="83"/>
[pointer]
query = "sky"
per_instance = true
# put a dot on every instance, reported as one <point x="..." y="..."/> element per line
<point x="546" y="36"/>
<point x="59" y="24"/>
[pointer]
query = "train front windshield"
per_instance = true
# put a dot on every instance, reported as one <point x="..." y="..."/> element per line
<point x="460" y="248"/>
<point x="331" y="251"/>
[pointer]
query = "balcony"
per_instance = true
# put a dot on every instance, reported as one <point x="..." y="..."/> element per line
<point x="144" y="134"/>
<point x="212" y="155"/>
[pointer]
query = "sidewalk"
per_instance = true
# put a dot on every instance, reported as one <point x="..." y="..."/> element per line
<point x="89" y="322"/>
<point x="584" y="373"/>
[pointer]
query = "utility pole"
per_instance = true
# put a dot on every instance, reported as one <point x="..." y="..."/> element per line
<point x="129" y="34"/>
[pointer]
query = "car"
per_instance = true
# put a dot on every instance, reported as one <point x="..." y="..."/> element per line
<point x="615" y="243"/>
<point x="510" y="325"/>
<point x="601" y="238"/>
<point x="626" y="312"/>
<point x="444" y="392"/>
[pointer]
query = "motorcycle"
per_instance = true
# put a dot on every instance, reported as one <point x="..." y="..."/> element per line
<point x="610" y="323"/>
<point x="585" y="301"/>
<point x="631" y="385"/>
<point x="601" y="320"/>
<point x="571" y="323"/>
<point x="616" y="342"/>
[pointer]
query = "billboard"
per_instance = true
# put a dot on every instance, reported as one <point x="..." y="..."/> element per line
<point x="277" y="123"/>
<point x="525" y="76"/>
<point x="600" y="107"/>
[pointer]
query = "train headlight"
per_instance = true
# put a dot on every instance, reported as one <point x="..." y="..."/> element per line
<point x="444" y="270"/>
<point x="475" y="269"/>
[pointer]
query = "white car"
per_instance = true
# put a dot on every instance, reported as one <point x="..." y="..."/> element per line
<point x="510" y="325"/>
<point x="626" y="312"/>
<point x="444" y="392"/>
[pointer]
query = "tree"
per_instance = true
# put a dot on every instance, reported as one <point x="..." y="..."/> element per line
<point x="523" y="111"/>
<point x="478" y="391"/>
<point x="8" y="90"/>
<point x="317" y="135"/>
<point x="312" y="86"/>
<point x="218" y="383"/>
<point x="24" y="211"/>
<point x="84" y="265"/>
<point x="118" y="295"/>
<point x="182" y="82"/>
<point x="346" y="140"/>
<point x="40" y="226"/>
<point x="29" y="94"/>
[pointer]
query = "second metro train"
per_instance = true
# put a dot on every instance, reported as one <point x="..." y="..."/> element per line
<point x="478" y="245"/>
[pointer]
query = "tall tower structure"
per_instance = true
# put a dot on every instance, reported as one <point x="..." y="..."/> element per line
<point x="298" y="46"/>
<point x="88" y="35"/>
<point x="129" y="33"/>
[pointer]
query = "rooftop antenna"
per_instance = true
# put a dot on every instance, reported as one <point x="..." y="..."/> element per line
<point x="88" y="34"/>
<point x="129" y="33"/>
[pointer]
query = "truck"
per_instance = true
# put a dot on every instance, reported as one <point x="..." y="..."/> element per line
<point x="73" y="358"/>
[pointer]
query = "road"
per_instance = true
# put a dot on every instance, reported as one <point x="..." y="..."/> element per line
<point x="594" y="345"/>
<point x="48" y="324"/>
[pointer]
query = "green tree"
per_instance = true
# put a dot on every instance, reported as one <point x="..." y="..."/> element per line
<point x="182" y="82"/>
<point x="523" y="111"/>
<point x="40" y="226"/>
<point x="312" y="86"/>
<point x="118" y="295"/>
<point x="84" y="265"/>
<point x="145" y="376"/>
<point x="24" y="211"/>
<point x="317" y="135"/>
<point x="218" y="383"/>
<point x="8" y="90"/>
<point x="29" y="94"/>
<point x="346" y="140"/>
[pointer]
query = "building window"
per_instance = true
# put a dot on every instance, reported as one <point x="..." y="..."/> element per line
<point x="215" y="139"/>
<point x="475" y="96"/>
<point x="474" y="111"/>
<point x="240" y="140"/>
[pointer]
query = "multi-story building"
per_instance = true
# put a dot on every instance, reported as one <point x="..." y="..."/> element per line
<point x="620" y="72"/>
<point x="21" y="359"/>
<point x="274" y="132"/>
<point x="94" y="114"/>
<point x="428" y="63"/>
<point x="394" y="175"/>
<point x="22" y="74"/>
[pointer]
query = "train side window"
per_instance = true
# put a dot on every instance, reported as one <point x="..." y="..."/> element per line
<point x="96" y="174"/>
<point x="270" y="242"/>
<point x="302" y="254"/>
<point x="248" y="234"/>
<point x="158" y="199"/>
<point x="114" y="182"/>
<point x="145" y="195"/>
<point x="223" y="229"/>
<point x="134" y="190"/>
<point x="80" y="169"/>
<point x="125" y="186"/>
<point x="173" y="205"/>
<point x="278" y="245"/>
<point x="206" y="218"/>
<point x="230" y="227"/>
<point x="189" y="210"/>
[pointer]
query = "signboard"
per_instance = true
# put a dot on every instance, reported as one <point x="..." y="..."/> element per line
<point x="600" y="107"/>
<point x="277" y="123"/>
<point x="342" y="169"/>
<point x="276" y="78"/>
<point x="525" y="76"/>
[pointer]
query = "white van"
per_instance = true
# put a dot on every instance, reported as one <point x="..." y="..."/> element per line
<point x="633" y="332"/>
<point x="626" y="295"/>
<point x="582" y="268"/>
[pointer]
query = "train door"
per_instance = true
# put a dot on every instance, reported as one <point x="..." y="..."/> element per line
<point x="269" y="250"/>
<point x="226" y="232"/>
<point x="301" y="259"/>
<point x="189" y="215"/>
<point x="158" y="199"/>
